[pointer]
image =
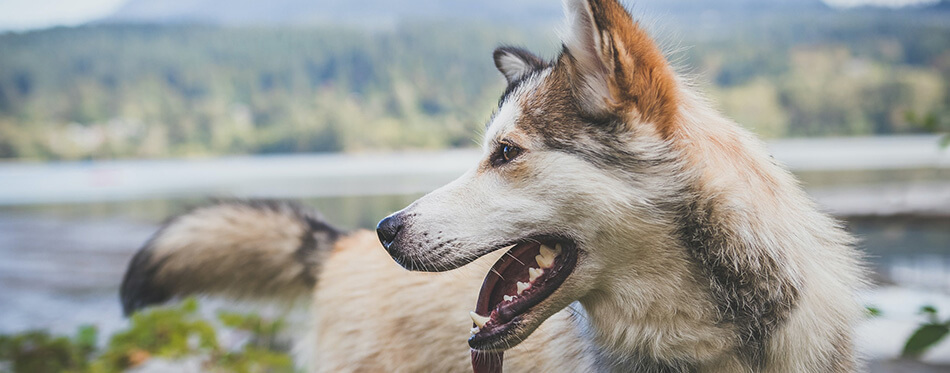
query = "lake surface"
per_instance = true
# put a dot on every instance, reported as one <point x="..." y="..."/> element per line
<point x="61" y="264"/>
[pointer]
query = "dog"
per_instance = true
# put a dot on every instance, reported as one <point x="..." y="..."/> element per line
<point x="616" y="222"/>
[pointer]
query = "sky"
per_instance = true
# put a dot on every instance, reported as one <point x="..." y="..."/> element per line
<point x="887" y="3"/>
<point x="37" y="14"/>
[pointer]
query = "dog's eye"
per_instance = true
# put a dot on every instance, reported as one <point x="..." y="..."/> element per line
<point x="504" y="154"/>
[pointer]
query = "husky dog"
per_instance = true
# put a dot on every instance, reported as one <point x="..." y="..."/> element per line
<point x="615" y="222"/>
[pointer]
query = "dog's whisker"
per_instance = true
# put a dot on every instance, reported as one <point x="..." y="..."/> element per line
<point x="499" y="274"/>
<point x="514" y="257"/>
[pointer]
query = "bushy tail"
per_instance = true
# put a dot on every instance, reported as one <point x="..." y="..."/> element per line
<point x="237" y="248"/>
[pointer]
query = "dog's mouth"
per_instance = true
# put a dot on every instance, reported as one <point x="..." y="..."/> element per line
<point x="525" y="276"/>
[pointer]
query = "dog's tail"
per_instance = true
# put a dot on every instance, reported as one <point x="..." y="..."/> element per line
<point x="237" y="248"/>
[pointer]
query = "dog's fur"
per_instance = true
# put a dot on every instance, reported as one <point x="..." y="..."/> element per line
<point x="696" y="251"/>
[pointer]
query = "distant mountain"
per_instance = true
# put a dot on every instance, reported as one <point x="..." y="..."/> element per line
<point x="365" y="12"/>
<point x="374" y="12"/>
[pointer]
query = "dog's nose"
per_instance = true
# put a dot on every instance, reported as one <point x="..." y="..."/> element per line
<point x="387" y="229"/>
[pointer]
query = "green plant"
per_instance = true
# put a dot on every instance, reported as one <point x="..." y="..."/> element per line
<point x="932" y="124"/>
<point x="928" y="335"/>
<point x="170" y="333"/>
<point x="38" y="351"/>
<point x="262" y="352"/>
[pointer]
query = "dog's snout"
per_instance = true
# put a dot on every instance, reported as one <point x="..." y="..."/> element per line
<point x="387" y="229"/>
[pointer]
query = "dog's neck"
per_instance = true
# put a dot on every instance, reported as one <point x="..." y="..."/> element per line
<point x="689" y="282"/>
<point x="651" y="311"/>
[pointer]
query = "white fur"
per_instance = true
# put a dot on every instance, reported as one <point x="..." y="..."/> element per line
<point x="586" y="44"/>
<point x="513" y="67"/>
<point x="503" y="121"/>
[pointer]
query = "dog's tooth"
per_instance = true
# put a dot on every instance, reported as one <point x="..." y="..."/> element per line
<point x="522" y="286"/>
<point x="557" y="249"/>
<point x="544" y="262"/>
<point x="547" y="252"/>
<point x="508" y="298"/>
<point x="478" y="319"/>
<point x="474" y="330"/>
<point x="534" y="273"/>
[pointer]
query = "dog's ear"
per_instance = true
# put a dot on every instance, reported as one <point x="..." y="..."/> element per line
<point x="614" y="66"/>
<point x="516" y="63"/>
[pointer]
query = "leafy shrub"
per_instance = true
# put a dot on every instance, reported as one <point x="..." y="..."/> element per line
<point x="37" y="351"/>
<point x="927" y="335"/>
<point x="169" y="333"/>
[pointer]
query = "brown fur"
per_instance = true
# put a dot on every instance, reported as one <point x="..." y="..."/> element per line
<point x="639" y="77"/>
<point x="753" y="291"/>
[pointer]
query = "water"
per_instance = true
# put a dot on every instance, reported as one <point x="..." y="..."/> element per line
<point x="909" y="251"/>
<point x="62" y="263"/>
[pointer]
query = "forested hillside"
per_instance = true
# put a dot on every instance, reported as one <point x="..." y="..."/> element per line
<point x="133" y="90"/>
<point x="373" y="12"/>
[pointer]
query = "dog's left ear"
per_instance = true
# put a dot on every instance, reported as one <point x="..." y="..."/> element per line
<point x="614" y="66"/>
<point x="516" y="63"/>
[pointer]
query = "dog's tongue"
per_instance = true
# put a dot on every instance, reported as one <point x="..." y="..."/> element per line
<point x="487" y="362"/>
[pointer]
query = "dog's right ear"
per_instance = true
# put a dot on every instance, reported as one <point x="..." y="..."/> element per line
<point x="516" y="63"/>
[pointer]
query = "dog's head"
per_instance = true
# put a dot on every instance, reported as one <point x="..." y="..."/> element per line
<point x="576" y="172"/>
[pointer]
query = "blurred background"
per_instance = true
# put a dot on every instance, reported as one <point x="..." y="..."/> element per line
<point x="115" y="114"/>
